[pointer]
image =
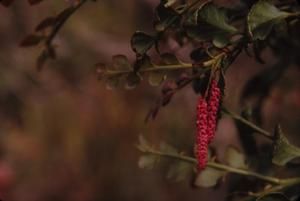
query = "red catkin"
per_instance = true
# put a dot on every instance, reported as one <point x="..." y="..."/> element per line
<point x="213" y="107"/>
<point x="206" y="123"/>
<point x="201" y="135"/>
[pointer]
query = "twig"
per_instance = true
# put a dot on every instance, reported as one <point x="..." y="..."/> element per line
<point x="60" y="24"/>
<point x="280" y="183"/>
<point x="256" y="128"/>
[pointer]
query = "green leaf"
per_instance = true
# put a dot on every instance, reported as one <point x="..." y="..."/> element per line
<point x="235" y="158"/>
<point x="212" y="24"/>
<point x="141" y="42"/>
<point x="220" y="41"/>
<point x="216" y="17"/>
<point x="157" y="78"/>
<point x="132" y="80"/>
<point x="262" y="17"/>
<point x="169" y="59"/>
<point x="147" y="161"/>
<point x="179" y="171"/>
<point x="209" y="177"/>
<point x="166" y="148"/>
<point x="112" y="82"/>
<point x="165" y="17"/>
<point x="120" y="62"/>
<point x="273" y="197"/>
<point x="143" y="144"/>
<point x="283" y="151"/>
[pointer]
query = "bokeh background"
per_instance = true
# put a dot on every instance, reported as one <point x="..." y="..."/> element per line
<point x="64" y="136"/>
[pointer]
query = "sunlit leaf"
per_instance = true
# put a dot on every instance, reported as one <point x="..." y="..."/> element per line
<point x="179" y="171"/>
<point x="156" y="78"/>
<point x="284" y="151"/>
<point x="209" y="177"/>
<point x="147" y="161"/>
<point x="120" y="62"/>
<point x="166" y="148"/>
<point x="262" y="18"/>
<point x="235" y="158"/>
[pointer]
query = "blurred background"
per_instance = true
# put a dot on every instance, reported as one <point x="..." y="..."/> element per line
<point x="64" y="136"/>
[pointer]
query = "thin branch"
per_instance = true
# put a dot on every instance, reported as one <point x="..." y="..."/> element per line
<point x="269" y="179"/>
<point x="60" y="24"/>
<point x="256" y="128"/>
<point x="154" y="69"/>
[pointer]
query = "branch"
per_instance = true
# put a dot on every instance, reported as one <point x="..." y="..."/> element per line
<point x="256" y="128"/>
<point x="60" y="24"/>
<point x="280" y="183"/>
<point x="155" y="68"/>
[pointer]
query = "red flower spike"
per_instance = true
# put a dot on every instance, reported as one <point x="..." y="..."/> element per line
<point x="202" y="134"/>
<point x="213" y="107"/>
<point x="206" y="123"/>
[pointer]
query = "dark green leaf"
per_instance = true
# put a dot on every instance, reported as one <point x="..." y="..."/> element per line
<point x="133" y="79"/>
<point x="165" y="17"/>
<point x="212" y="24"/>
<point x="262" y="18"/>
<point x="216" y="17"/>
<point x="283" y="150"/>
<point x="141" y="42"/>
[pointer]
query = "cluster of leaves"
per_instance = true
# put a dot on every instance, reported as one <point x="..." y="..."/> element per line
<point x="179" y="170"/>
<point x="218" y="35"/>
<point x="180" y="167"/>
<point x="46" y="31"/>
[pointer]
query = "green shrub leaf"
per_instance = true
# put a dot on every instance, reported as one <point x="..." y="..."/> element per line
<point x="262" y="18"/>
<point x="283" y="151"/>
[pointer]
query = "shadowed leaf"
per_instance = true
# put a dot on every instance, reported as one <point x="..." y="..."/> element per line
<point x="45" y="23"/>
<point x="141" y="42"/>
<point x="283" y="151"/>
<point x="262" y="17"/>
<point x="31" y="40"/>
